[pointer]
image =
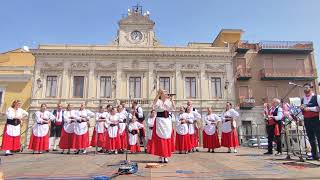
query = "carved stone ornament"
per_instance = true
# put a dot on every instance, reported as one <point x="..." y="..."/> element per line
<point x="190" y="66"/>
<point x="79" y="65"/>
<point x="106" y="66"/>
<point x="164" y="66"/>
<point x="216" y="68"/>
<point x="52" y="65"/>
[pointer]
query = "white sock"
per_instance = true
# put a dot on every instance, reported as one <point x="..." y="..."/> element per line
<point x="8" y="151"/>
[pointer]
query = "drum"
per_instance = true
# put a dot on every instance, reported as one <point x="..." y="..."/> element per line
<point x="226" y="127"/>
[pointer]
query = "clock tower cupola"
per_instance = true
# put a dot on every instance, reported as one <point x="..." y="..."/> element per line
<point x="136" y="29"/>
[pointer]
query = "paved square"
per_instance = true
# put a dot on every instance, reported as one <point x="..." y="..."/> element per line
<point x="248" y="163"/>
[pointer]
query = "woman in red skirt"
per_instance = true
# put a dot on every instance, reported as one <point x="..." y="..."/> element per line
<point x="182" y="133"/>
<point x="150" y="123"/>
<point x="162" y="142"/>
<point x="124" y="116"/>
<point x="134" y="126"/>
<point x="229" y="137"/>
<point x="11" y="132"/>
<point x="39" y="140"/>
<point x="210" y="131"/>
<point x="81" y="133"/>
<point x="99" y="132"/>
<point x="113" y="136"/>
<point x="67" y="132"/>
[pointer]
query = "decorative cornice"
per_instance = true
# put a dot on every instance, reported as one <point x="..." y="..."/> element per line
<point x="133" y="52"/>
<point x="215" y="68"/>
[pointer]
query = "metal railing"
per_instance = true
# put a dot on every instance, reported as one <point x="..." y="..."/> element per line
<point x="287" y="72"/>
<point x="292" y="45"/>
<point x="243" y="72"/>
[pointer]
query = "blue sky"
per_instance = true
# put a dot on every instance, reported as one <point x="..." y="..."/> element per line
<point x="33" y="22"/>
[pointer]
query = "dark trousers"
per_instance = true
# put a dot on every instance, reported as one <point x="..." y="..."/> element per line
<point x="313" y="132"/>
<point x="272" y="137"/>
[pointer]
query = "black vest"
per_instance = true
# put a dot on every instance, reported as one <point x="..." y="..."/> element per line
<point x="55" y="114"/>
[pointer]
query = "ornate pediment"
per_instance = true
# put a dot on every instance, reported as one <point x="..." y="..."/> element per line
<point x="110" y="66"/>
<point x="159" y="66"/>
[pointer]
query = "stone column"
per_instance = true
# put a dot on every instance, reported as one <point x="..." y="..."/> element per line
<point x="65" y="81"/>
<point x="91" y="84"/>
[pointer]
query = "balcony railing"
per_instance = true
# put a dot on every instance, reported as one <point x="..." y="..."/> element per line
<point x="303" y="47"/>
<point x="244" y="46"/>
<point x="287" y="74"/>
<point x="243" y="73"/>
<point x="246" y="102"/>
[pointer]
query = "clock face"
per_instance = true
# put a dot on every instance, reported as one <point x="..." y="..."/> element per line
<point x="136" y="36"/>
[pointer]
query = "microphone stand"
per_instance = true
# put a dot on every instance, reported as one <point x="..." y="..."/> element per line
<point x="285" y="125"/>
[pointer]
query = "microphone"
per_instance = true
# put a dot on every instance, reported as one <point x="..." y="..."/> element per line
<point x="294" y="84"/>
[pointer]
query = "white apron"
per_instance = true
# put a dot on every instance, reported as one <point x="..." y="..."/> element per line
<point x="113" y="131"/>
<point x="209" y="129"/>
<point x="164" y="127"/>
<point x="40" y="130"/>
<point x="13" y="130"/>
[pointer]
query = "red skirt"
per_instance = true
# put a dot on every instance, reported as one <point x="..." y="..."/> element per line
<point x="183" y="142"/>
<point x="161" y="147"/>
<point x="230" y="139"/>
<point x="10" y="142"/>
<point x="196" y="137"/>
<point x="66" y="140"/>
<point x="134" y="148"/>
<point x="112" y="143"/>
<point x="101" y="139"/>
<point x="192" y="138"/>
<point x="39" y="143"/>
<point x="81" y="141"/>
<point x="211" y="141"/>
<point x="123" y="140"/>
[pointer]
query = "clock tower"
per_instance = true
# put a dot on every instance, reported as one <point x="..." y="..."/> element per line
<point x="136" y="29"/>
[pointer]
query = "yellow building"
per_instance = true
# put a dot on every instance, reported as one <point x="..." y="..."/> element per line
<point x="16" y="71"/>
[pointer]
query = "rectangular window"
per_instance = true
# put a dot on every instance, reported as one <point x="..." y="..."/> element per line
<point x="216" y="87"/>
<point x="272" y="93"/>
<point x="165" y="83"/>
<point x="135" y="87"/>
<point x="51" y="90"/>
<point x="78" y="85"/>
<point x="243" y="92"/>
<point x="190" y="87"/>
<point x="105" y="86"/>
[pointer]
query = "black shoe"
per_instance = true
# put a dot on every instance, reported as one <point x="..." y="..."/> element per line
<point x="8" y="154"/>
<point x="278" y="153"/>
<point x="54" y="149"/>
<point x="197" y="150"/>
<point x="268" y="153"/>
<point x="77" y="152"/>
<point x="313" y="158"/>
<point x="208" y="150"/>
<point x="62" y="152"/>
<point x="101" y="151"/>
<point x="212" y="151"/>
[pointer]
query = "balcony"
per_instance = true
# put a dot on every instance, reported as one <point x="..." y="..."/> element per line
<point x="243" y="74"/>
<point x="287" y="74"/>
<point x="244" y="46"/>
<point x="286" y="47"/>
<point x="246" y="103"/>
